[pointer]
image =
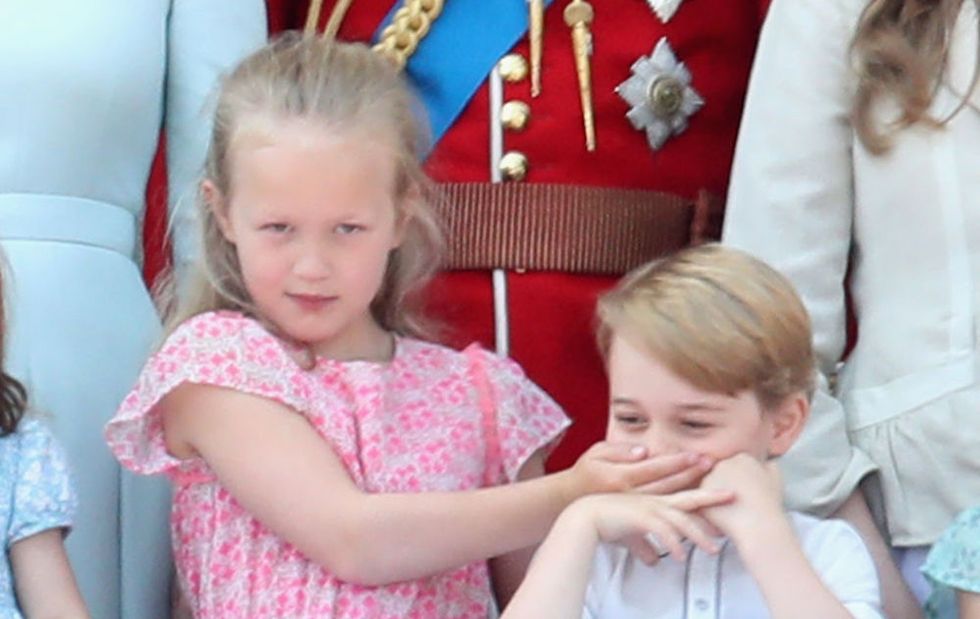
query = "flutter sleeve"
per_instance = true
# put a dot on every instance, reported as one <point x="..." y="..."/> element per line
<point x="526" y="418"/>
<point x="221" y="349"/>
<point x="43" y="495"/>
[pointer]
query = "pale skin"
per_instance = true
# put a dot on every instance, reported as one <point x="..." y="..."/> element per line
<point x="312" y="218"/>
<point x="741" y="497"/>
<point x="969" y="604"/>
<point x="43" y="578"/>
<point x="897" y="599"/>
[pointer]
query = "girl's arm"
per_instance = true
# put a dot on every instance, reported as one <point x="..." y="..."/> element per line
<point x="969" y="604"/>
<point x="507" y="571"/>
<point x="43" y="577"/>
<point x="286" y="475"/>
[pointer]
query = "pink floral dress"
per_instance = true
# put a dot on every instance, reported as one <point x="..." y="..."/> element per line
<point x="432" y="419"/>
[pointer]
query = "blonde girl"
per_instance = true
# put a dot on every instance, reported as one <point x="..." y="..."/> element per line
<point x="327" y="461"/>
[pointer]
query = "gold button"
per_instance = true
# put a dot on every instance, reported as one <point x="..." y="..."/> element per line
<point x="513" y="166"/>
<point x="513" y="68"/>
<point x="514" y="115"/>
<point x="665" y="95"/>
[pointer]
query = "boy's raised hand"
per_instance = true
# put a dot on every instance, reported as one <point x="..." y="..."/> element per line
<point x="631" y="519"/>
<point x="619" y="467"/>
<point x="758" y="491"/>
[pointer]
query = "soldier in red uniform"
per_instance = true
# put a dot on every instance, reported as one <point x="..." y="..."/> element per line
<point x="541" y="218"/>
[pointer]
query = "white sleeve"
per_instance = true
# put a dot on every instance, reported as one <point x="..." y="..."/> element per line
<point x="845" y="566"/>
<point x="205" y="38"/>
<point x="791" y="204"/>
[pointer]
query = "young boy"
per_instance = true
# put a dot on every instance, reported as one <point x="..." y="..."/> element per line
<point x="709" y="352"/>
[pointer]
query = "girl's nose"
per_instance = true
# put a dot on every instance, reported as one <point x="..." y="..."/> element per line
<point x="314" y="262"/>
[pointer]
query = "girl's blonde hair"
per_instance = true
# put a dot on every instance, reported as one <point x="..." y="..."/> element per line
<point x="900" y="48"/>
<point x="718" y="318"/>
<point x="341" y="87"/>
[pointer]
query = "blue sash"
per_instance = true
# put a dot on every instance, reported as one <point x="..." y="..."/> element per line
<point x="455" y="57"/>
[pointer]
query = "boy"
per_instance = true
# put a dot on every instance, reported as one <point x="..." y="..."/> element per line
<point x="708" y="352"/>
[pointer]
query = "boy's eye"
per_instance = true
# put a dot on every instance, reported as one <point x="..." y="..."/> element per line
<point x="346" y="229"/>
<point x="276" y="227"/>
<point x="695" y="425"/>
<point x="629" y="419"/>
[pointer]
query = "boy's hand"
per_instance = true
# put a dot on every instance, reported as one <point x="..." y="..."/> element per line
<point x="618" y="467"/>
<point x="758" y="496"/>
<point x="631" y="519"/>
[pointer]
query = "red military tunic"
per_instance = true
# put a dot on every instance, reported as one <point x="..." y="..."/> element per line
<point x="549" y="324"/>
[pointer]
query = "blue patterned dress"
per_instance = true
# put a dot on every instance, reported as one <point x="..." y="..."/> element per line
<point x="36" y="495"/>
<point x="954" y="563"/>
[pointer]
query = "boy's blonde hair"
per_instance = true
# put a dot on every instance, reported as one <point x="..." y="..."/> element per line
<point x="341" y="87"/>
<point x="718" y="318"/>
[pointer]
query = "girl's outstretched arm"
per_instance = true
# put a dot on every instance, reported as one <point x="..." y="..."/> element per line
<point x="285" y="474"/>
<point x="43" y="578"/>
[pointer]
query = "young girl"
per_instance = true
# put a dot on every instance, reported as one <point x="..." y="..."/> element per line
<point x="36" y="511"/>
<point x="298" y="419"/>
<point x="953" y="568"/>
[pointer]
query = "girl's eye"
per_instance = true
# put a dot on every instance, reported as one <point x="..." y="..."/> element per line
<point x="346" y="229"/>
<point x="276" y="227"/>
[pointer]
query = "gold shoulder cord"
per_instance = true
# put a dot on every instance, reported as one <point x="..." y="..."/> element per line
<point x="398" y="40"/>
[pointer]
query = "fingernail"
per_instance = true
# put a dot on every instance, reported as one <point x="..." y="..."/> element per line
<point x="705" y="462"/>
<point x="638" y="450"/>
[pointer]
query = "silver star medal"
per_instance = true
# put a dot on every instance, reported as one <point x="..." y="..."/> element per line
<point x="664" y="9"/>
<point x="660" y="95"/>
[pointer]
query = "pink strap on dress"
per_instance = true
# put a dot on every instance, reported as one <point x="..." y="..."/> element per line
<point x="493" y="466"/>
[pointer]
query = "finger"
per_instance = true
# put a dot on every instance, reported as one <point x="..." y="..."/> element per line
<point x="693" y="528"/>
<point x="699" y="498"/>
<point x="665" y="537"/>
<point x="674" y="480"/>
<point x="617" y="452"/>
<point x="641" y="549"/>
<point x="659" y="468"/>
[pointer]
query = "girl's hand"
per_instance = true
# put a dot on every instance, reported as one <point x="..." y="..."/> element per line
<point x="653" y="525"/>
<point x="758" y="496"/>
<point x="618" y="467"/>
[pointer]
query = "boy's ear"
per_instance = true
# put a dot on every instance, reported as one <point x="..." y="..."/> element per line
<point x="219" y="208"/>
<point x="786" y="423"/>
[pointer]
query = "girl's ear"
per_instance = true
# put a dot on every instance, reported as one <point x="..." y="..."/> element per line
<point x="786" y="423"/>
<point x="219" y="208"/>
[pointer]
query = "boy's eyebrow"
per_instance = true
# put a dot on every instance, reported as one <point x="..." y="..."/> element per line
<point x="622" y="400"/>
<point x="699" y="406"/>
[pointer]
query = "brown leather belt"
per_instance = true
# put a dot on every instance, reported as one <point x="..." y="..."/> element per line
<point x="568" y="228"/>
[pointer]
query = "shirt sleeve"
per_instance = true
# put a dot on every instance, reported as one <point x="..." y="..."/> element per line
<point x="845" y="566"/>
<point x="791" y="204"/>
<point x="954" y="563"/>
<point x="43" y="495"/>
<point x="221" y="349"/>
<point x="527" y="419"/>
<point x="204" y="41"/>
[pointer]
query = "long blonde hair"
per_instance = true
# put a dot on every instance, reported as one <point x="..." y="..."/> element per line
<point x="901" y="49"/>
<point x="341" y="86"/>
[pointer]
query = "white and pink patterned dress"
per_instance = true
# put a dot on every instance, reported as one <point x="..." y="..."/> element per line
<point x="431" y="419"/>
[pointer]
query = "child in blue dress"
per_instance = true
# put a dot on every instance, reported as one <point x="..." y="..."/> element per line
<point x="953" y="567"/>
<point x="36" y="508"/>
